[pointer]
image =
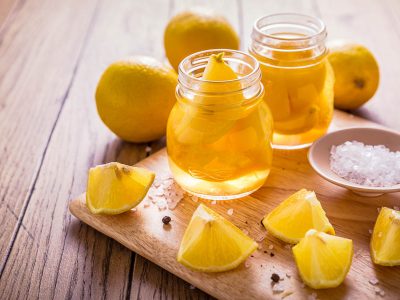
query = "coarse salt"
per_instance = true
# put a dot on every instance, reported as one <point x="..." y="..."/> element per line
<point x="366" y="165"/>
<point x="230" y="211"/>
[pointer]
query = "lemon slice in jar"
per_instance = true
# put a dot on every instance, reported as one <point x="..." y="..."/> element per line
<point x="385" y="241"/>
<point x="291" y="219"/>
<point x="115" y="188"/>
<point x="213" y="244"/>
<point x="323" y="260"/>
<point x="202" y="125"/>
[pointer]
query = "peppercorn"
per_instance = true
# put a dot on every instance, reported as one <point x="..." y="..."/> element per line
<point x="275" y="277"/>
<point x="166" y="220"/>
<point x="272" y="254"/>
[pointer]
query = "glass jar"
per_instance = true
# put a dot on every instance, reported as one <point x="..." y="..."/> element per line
<point x="219" y="133"/>
<point x="297" y="77"/>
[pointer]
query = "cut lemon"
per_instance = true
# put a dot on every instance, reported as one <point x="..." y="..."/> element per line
<point x="213" y="244"/>
<point x="291" y="219"/>
<point x="115" y="188"/>
<point x="323" y="260"/>
<point x="385" y="242"/>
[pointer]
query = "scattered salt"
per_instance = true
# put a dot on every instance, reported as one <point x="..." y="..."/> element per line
<point x="313" y="296"/>
<point x="370" y="231"/>
<point x="270" y="247"/>
<point x="147" y="149"/>
<point x="278" y="288"/>
<point x="247" y="264"/>
<point x="246" y="232"/>
<point x="373" y="281"/>
<point x="366" y="165"/>
<point x="214" y="202"/>
<point x="195" y="198"/>
<point x="230" y="211"/>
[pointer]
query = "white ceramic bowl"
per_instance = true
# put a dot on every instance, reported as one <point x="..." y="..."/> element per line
<point x="319" y="155"/>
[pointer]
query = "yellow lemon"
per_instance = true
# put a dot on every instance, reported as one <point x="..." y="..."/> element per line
<point x="291" y="219"/>
<point x="323" y="260"/>
<point x="213" y="244"/>
<point x="196" y="30"/>
<point x="385" y="241"/>
<point x="356" y="74"/>
<point x="134" y="98"/>
<point x="115" y="188"/>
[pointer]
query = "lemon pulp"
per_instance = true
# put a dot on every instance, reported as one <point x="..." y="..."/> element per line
<point x="213" y="244"/>
<point x="385" y="241"/>
<point x="114" y="188"/>
<point x="291" y="219"/>
<point x="323" y="260"/>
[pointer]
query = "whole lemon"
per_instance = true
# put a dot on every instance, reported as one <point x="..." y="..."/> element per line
<point x="196" y="30"/>
<point x="134" y="98"/>
<point x="356" y="74"/>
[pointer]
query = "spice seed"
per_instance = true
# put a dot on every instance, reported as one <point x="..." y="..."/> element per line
<point x="275" y="277"/>
<point x="166" y="220"/>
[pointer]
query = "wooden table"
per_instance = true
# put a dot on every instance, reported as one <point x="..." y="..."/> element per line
<point x="52" y="54"/>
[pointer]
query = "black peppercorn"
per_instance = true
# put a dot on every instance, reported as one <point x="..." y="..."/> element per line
<point x="166" y="220"/>
<point x="275" y="277"/>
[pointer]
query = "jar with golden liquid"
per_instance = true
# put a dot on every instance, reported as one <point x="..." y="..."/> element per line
<point x="297" y="77"/>
<point x="219" y="132"/>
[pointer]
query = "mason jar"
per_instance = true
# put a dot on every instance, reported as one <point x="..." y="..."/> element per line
<point x="297" y="76"/>
<point x="219" y="133"/>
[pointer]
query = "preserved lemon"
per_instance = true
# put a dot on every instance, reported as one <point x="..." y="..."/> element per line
<point x="385" y="242"/>
<point x="291" y="219"/>
<point x="115" y="188"/>
<point x="219" y="132"/>
<point x="213" y="244"/>
<point x="323" y="260"/>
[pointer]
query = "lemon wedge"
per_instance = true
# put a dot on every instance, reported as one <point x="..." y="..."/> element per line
<point x="323" y="260"/>
<point x="213" y="244"/>
<point x="291" y="219"/>
<point x="385" y="242"/>
<point x="115" y="188"/>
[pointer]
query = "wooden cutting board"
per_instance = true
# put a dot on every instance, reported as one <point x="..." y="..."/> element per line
<point x="352" y="216"/>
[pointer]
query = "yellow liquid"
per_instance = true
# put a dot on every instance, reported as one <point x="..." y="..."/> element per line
<point x="299" y="92"/>
<point x="220" y="154"/>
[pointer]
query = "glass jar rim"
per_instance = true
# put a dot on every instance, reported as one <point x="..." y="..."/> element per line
<point x="255" y="72"/>
<point x="316" y="21"/>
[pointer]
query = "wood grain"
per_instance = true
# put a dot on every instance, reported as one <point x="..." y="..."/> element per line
<point x="35" y="76"/>
<point x="50" y="133"/>
<point x="351" y="215"/>
<point x="61" y="258"/>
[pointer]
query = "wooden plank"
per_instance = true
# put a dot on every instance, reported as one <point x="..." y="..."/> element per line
<point x="6" y="8"/>
<point x="351" y="215"/>
<point x="39" y="55"/>
<point x="61" y="257"/>
<point x="151" y="281"/>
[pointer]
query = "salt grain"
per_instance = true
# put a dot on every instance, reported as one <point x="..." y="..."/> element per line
<point x="270" y="247"/>
<point x="147" y="149"/>
<point x="278" y="288"/>
<point x="373" y="281"/>
<point x="195" y="198"/>
<point x="366" y="164"/>
<point x="370" y="231"/>
<point x="214" y="202"/>
<point x="230" y="211"/>
<point x="246" y="232"/>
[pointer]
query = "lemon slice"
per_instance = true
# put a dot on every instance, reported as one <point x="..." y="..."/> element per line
<point x="323" y="260"/>
<point x="291" y="219"/>
<point x="385" y="242"/>
<point x="115" y="188"/>
<point x="213" y="244"/>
